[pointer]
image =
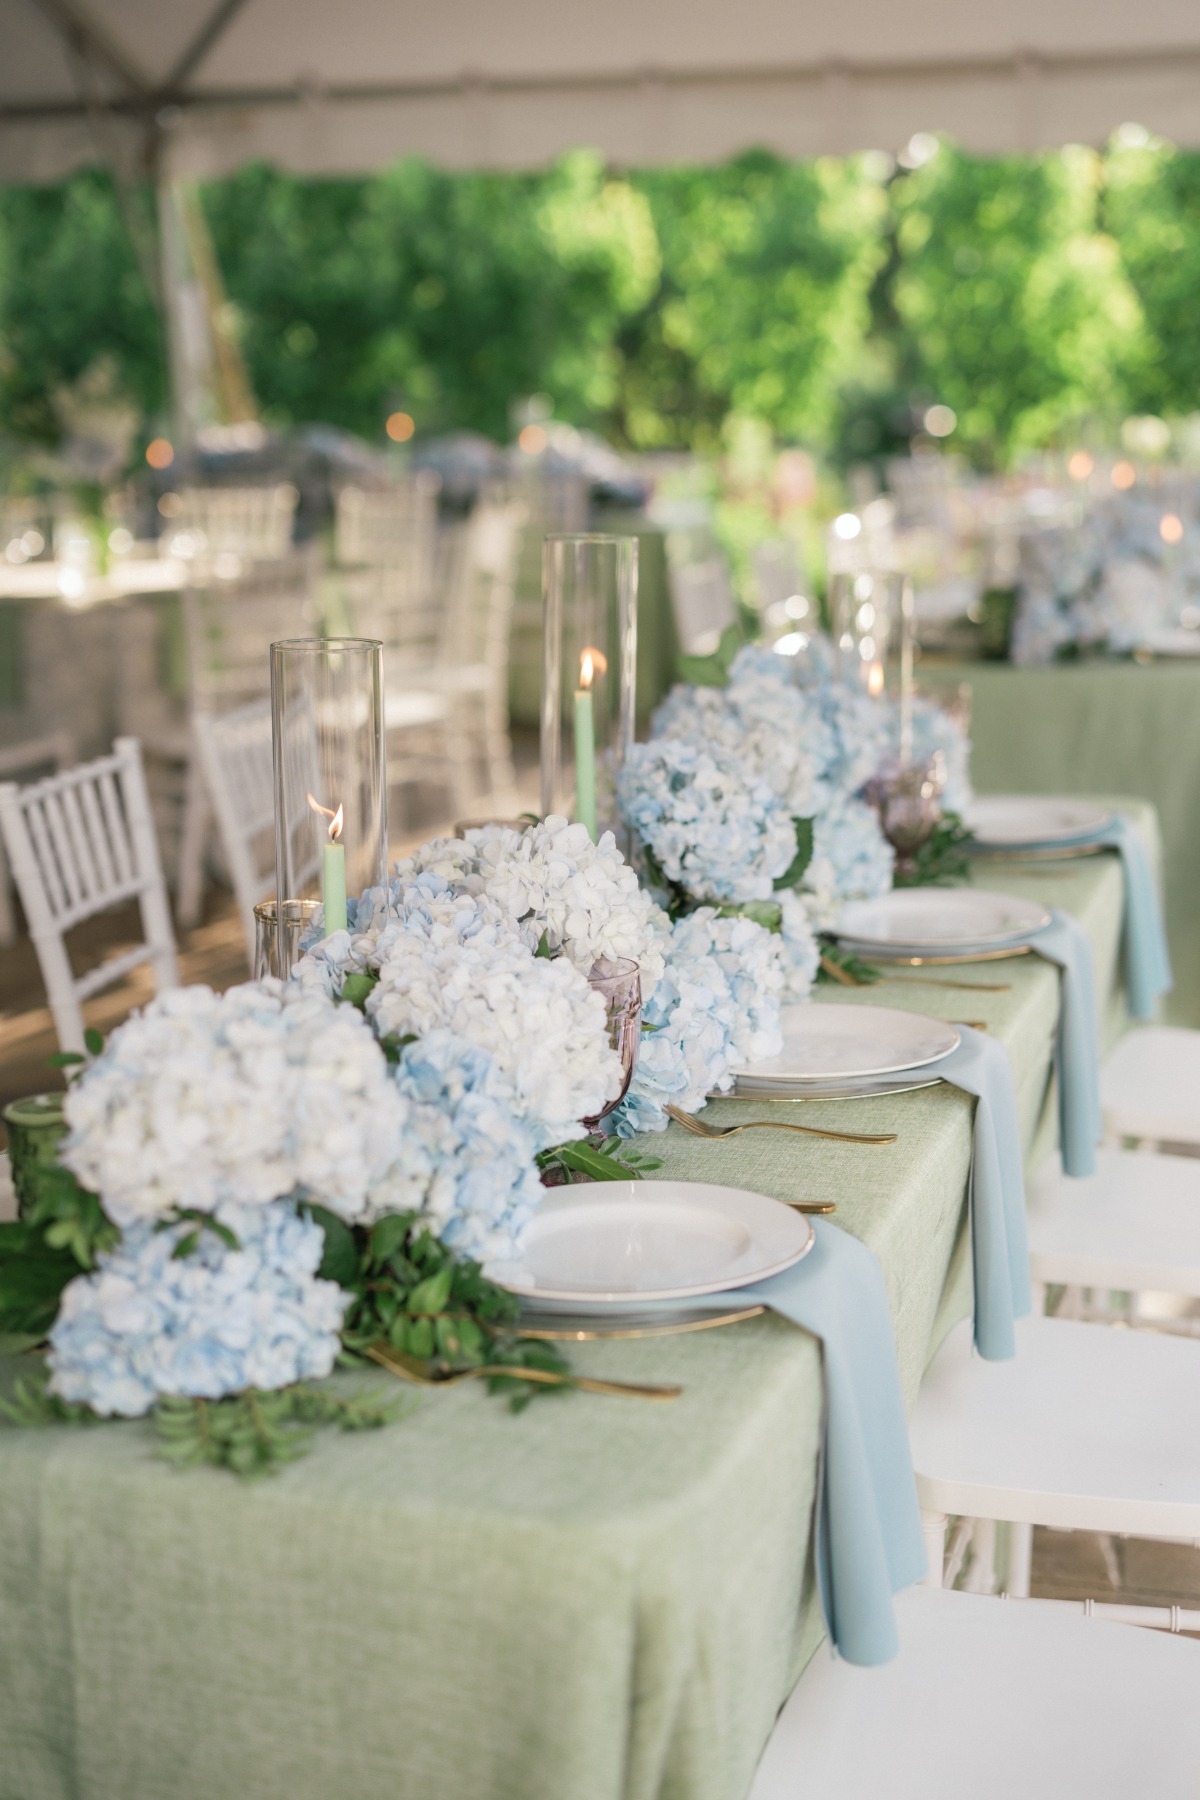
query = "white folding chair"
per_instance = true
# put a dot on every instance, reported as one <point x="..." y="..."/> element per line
<point x="80" y="843"/>
<point x="1084" y="1430"/>
<point x="1150" y="1086"/>
<point x="992" y="1700"/>
<point x="46" y="754"/>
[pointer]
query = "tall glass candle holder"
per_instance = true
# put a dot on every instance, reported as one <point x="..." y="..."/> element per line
<point x="864" y="607"/>
<point x="330" y="777"/>
<point x="589" y="674"/>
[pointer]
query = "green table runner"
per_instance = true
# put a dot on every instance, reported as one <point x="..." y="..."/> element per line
<point x="599" y="1600"/>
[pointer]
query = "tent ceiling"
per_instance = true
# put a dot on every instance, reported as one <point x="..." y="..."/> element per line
<point x="347" y="85"/>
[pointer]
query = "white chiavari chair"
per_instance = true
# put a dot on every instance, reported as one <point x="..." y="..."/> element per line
<point x="79" y="843"/>
<point x="1080" y="1431"/>
<point x="394" y="526"/>
<point x="230" y="622"/>
<point x="249" y="523"/>
<point x="703" y="604"/>
<point x="44" y="755"/>
<point x="992" y="1700"/>
<point x="1150" y="1087"/>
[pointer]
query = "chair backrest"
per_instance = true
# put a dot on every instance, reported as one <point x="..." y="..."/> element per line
<point x="230" y="625"/>
<point x="237" y="764"/>
<point x="240" y="521"/>
<point x="480" y="580"/>
<point x="380" y="527"/>
<point x="79" y="843"/>
<point x="702" y="601"/>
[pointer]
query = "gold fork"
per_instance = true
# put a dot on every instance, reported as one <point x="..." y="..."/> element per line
<point x="410" y="1368"/>
<point x="700" y="1130"/>
<point x="838" y="973"/>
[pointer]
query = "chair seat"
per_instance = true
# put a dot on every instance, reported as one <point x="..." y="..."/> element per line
<point x="990" y="1699"/>
<point x="1150" y="1085"/>
<point x="406" y="708"/>
<point x="1134" y="1224"/>
<point x="1087" y="1428"/>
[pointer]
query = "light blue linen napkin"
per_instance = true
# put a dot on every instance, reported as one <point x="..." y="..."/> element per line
<point x="1144" y="936"/>
<point x="999" y="1246"/>
<point x="1077" y="1045"/>
<point x="868" y="1522"/>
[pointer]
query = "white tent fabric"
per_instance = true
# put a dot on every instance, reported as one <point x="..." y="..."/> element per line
<point x="322" y="86"/>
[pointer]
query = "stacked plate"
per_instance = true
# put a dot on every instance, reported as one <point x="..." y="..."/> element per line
<point x="1032" y="822"/>
<point x="614" y="1245"/>
<point x="938" y="924"/>
<point x="830" y="1050"/>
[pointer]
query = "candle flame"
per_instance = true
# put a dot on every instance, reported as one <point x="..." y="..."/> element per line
<point x="336" y="819"/>
<point x="591" y="663"/>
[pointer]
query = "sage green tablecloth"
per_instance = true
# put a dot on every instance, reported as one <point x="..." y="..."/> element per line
<point x="1082" y="728"/>
<point x="601" y="1599"/>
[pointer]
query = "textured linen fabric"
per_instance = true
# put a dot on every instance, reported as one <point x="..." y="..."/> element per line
<point x="1077" y="1048"/>
<point x="600" y="1599"/>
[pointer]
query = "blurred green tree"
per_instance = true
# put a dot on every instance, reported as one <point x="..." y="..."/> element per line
<point x="454" y="292"/>
<point x="762" y="307"/>
<point x="71" y="292"/>
<point x="1021" y="315"/>
<point x="1152" y="209"/>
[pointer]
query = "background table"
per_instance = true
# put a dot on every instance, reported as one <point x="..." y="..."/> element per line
<point x="1087" y="727"/>
<point x="600" y="1599"/>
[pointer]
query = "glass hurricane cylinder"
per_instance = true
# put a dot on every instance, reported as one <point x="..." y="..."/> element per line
<point x="589" y="674"/>
<point x="864" y="613"/>
<point x="330" y="778"/>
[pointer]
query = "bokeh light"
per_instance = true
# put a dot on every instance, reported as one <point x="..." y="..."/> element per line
<point x="939" y="421"/>
<point x="1080" y="466"/>
<point x="1170" y="528"/>
<point x="160" y="453"/>
<point x="1123" y="475"/>
<point x="400" y="427"/>
<point x="533" y="439"/>
<point x="847" y="526"/>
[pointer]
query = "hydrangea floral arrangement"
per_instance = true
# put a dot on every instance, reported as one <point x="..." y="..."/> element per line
<point x="260" y="1184"/>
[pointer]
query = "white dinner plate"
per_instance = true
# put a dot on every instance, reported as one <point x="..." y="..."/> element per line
<point x="1171" y="641"/>
<point x="1007" y="820"/>
<point x="932" y="919"/>
<point x="620" y="1242"/>
<point x="844" y="1043"/>
<point x="868" y="1088"/>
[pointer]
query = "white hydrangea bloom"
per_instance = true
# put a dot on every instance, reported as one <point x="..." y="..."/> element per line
<point x="242" y="1097"/>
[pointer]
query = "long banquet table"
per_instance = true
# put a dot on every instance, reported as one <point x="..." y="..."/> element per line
<point x="600" y="1599"/>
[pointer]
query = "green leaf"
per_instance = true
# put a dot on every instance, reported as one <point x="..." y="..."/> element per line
<point x="388" y="1236"/>
<point x="340" y="1260"/>
<point x="712" y="670"/>
<point x="93" y="1041"/>
<point x="843" y="968"/>
<point x="943" y="859"/>
<point x="599" y="1164"/>
<point x="430" y="1296"/>
<point x="804" y="849"/>
<point x="65" y="1059"/>
<point x="767" y="913"/>
<point x="543" y="947"/>
<point x="357" y="988"/>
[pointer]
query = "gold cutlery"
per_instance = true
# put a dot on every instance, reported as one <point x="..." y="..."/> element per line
<point x="700" y="1130"/>
<point x="411" y="1368"/>
<point x="583" y="1334"/>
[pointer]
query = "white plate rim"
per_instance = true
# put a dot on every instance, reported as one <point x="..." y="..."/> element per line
<point x="978" y="940"/>
<point x="759" y="1072"/>
<point x="602" y="1193"/>
<point x="1068" y="834"/>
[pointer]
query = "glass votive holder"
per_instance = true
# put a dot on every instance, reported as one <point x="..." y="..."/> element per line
<point x="35" y="1126"/>
<point x="278" y="945"/>
<point x="908" y="799"/>
<point x="618" y="980"/>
